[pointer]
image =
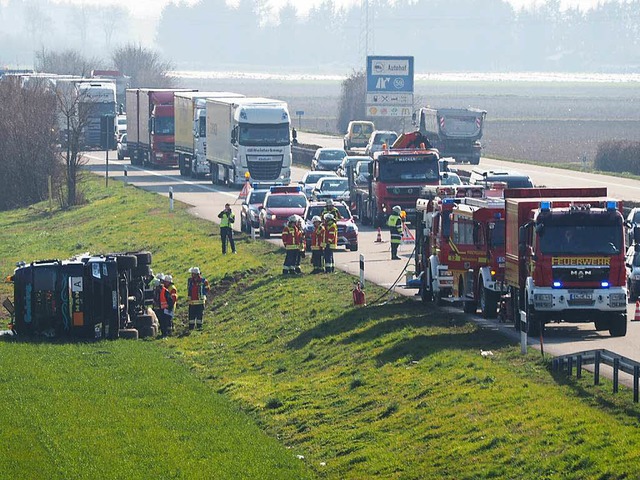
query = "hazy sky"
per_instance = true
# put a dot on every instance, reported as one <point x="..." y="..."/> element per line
<point x="148" y="8"/>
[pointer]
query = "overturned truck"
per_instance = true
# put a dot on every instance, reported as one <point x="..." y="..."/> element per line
<point x="90" y="296"/>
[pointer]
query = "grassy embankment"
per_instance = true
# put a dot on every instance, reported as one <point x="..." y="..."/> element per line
<point x="389" y="391"/>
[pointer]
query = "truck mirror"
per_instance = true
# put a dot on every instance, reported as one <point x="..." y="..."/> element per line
<point x="234" y="135"/>
<point x="636" y="234"/>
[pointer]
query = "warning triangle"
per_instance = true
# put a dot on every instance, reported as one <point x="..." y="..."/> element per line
<point x="407" y="236"/>
<point x="244" y="193"/>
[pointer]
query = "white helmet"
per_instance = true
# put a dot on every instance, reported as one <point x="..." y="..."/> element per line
<point x="292" y="219"/>
<point x="329" y="202"/>
<point x="195" y="270"/>
<point x="160" y="276"/>
<point x="397" y="209"/>
<point x="168" y="278"/>
<point x="329" y="216"/>
<point x="316" y="218"/>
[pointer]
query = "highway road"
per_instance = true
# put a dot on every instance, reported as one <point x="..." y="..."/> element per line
<point x="207" y="200"/>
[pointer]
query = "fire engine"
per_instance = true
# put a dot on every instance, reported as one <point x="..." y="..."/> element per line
<point x="565" y="258"/>
<point x="460" y="247"/>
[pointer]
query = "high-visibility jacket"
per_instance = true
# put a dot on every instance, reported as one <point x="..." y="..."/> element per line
<point x="226" y="218"/>
<point x="300" y="238"/>
<point x="395" y="228"/>
<point x="331" y="235"/>
<point x="318" y="237"/>
<point x="167" y="298"/>
<point x="333" y="211"/>
<point x="290" y="237"/>
<point x="197" y="289"/>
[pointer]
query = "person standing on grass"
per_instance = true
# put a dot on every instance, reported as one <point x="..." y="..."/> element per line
<point x="395" y="228"/>
<point x="317" y="244"/>
<point x="168" y="299"/>
<point x="301" y="241"/>
<point x="227" y="217"/>
<point x="330" y="242"/>
<point x="290" y="242"/>
<point x="197" y="289"/>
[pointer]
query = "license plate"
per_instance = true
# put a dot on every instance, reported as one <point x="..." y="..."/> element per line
<point x="581" y="296"/>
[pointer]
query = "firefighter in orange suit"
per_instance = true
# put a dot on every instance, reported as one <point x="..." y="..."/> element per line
<point x="300" y="240"/>
<point x="330" y="242"/>
<point x="290" y="241"/>
<point x="317" y="244"/>
<point x="168" y="299"/>
<point x="197" y="289"/>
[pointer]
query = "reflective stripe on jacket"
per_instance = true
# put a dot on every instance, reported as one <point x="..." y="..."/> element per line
<point x="290" y="237"/>
<point x="226" y="219"/>
<point x="331" y="235"/>
<point x="395" y="227"/>
<point x="317" y="237"/>
<point x="197" y="290"/>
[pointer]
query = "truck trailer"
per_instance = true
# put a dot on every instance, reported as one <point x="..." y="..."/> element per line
<point x="191" y="130"/>
<point x="248" y="139"/>
<point x="455" y="132"/>
<point x="151" y="126"/>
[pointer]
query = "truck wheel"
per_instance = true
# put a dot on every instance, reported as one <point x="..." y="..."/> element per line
<point x="128" y="333"/>
<point x="126" y="262"/>
<point x="374" y="216"/>
<point x="474" y="160"/>
<point x="213" y="170"/>
<point x="426" y="294"/>
<point x="618" y="326"/>
<point x="144" y="258"/>
<point x="534" y="324"/>
<point x="601" y="324"/>
<point x="353" y="247"/>
<point x="143" y="321"/>
<point x="468" y="306"/>
<point x="145" y="332"/>
<point x="142" y="271"/>
<point x="488" y="302"/>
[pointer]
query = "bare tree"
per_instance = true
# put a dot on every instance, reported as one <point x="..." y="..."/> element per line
<point x="144" y="66"/>
<point x="110" y="19"/>
<point x="65" y="62"/>
<point x="352" y="100"/>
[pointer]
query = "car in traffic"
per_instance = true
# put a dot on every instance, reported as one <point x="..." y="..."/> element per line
<point x="251" y="205"/>
<point x="122" y="149"/>
<point x="511" y="178"/>
<point x="279" y="204"/>
<point x="379" y="138"/>
<point x="362" y="172"/>
<point x="336" y="188"/>
<point x="632" y="262"/>
<point x="633" y="219"/>
<point x="121" y="125"/>
<point x="358" y="133"/>
<point x="310" y="179"/>
<point x="347" y="228"/>
<point x="327" y="158"/>
<point x="350" y="161"/>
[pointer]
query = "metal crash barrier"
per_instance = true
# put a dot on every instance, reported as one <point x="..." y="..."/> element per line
<point x="596" y="358"/>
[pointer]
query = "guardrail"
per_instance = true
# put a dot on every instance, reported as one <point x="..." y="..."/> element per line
<point x="596" y="358"/>
<point x="303" y="154"/>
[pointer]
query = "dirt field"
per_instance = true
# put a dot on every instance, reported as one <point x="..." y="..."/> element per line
<point x="547" y="121"/>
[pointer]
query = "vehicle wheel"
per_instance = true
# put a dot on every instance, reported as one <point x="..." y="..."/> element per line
<point x="488" y="302"/>
<point x="601" y="324"/>
<point x="618" y="326"/>
<point x="120" y="156"/>
<point x="142" y="271"/>
<point x="267" y="234"/>
<point x="126" y="262"/>
<point x="474" y="160"/>
<point x="469" y="306"/>
<point x="633" y="295"/>
<point x="534" y="323"/>
<point x="374" y="216"/>
<point x="128" y="333"/>
<point x="143" y="321"/>
<point x="440" y="298"/>
<point x="353" y="247"/>
<point x="145" y="332"/>
<point x="144" y="258"/>
<point x="515" y="309"/>
<point x="425" y="287"/>
<point x="213" y="170"/>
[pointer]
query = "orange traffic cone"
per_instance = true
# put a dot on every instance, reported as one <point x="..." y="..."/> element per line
<point x="636" y="316"/>
<point x="379" y="238"/>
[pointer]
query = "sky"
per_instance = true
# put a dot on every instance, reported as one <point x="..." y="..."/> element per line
<point x="149" y="8"/>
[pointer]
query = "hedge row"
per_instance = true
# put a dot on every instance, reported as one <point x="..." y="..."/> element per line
<point x="618" y="156"/>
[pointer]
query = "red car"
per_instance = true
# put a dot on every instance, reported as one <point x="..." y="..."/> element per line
<point x="279" y="204"/>
<point x="347" y="228"/>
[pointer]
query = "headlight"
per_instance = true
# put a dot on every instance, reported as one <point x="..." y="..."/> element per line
<point x="273" y="216"/>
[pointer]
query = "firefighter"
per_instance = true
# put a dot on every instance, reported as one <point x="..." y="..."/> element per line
<point x="317" y="244"/>
<point x="332" y="209"/>
<point x="289" y="239"/>
<point x="395" y="228"/>
<point x="330" y="242"/>
<point x="156" y="285"/>
<point x="300" y="241"/>
<point x="168" y="299"/>
<point x="197" y="289"/>
<point x="227" y="217"/>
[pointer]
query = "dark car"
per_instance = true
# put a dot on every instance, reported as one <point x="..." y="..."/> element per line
<point x="250" y="208"/>
<point x="327" y="159"/>
<point x="122" y="149"/>
<point x="310" y="179"/>
<point x="336" y="188"/>
<point x="347" y="228"/>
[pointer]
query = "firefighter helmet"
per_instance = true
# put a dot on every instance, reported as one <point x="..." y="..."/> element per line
<point x="329" y="216"/>
<point x="397" y="209"/>
<point x="316" y="218"/>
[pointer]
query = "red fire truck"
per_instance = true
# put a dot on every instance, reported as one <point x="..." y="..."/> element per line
<point x="460" y="247"/>
<point x="565" y="258"/>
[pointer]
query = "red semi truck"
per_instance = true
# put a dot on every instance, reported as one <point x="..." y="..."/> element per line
<point x="565" y="258"/>
<point x="151" y="126"/>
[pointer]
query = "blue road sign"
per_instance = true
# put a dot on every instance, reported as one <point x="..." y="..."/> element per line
<point x="389" y="74"/>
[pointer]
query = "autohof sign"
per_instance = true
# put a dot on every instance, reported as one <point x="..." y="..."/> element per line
<point x="389" y="86"/>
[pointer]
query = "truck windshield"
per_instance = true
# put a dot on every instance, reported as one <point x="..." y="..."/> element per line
<point x="409" y="169"/>
<point x="96" y="109"/>
<point x="264" y="135"/>
<point x="460" y="126"/>
<point x="581" y="239"/>
<point x="164" y="126"/>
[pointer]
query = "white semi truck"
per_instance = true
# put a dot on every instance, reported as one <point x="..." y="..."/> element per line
<point x="191" y="130"/>
<point x="248" y="139"/>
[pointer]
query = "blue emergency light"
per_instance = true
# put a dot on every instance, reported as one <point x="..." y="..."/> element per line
<point x="557" y="284"/>
<point x="612" y="205"/>
<point x="604" y="284"/>
<point x="545" y="205"/>
<point x="286" y="189"/>
<point x="448" y="201"/>
<point x="265" y="186"/>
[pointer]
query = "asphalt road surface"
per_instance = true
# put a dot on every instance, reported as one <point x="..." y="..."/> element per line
<point x="208" y="200"/>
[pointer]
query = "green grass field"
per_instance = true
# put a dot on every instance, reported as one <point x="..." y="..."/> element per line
<point x="287" y="379"/>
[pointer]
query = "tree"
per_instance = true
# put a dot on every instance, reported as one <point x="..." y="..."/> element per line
<point x="144" y="66"/>
<point x="352" y="100"/>
<point x="28" y="153"/>
<point x="65" y="62"/>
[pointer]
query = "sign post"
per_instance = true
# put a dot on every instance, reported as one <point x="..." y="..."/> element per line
<point x="299" y="113"/>
<point x="389" y="86"/>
